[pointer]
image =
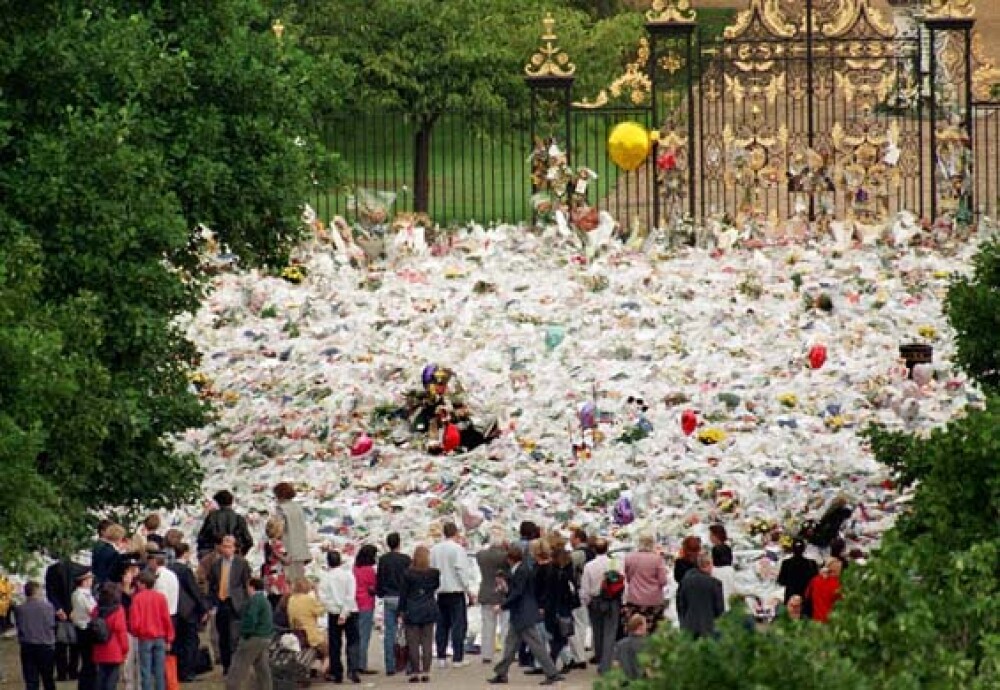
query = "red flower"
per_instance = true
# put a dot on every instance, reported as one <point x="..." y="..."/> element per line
<point x="666" y="161"/>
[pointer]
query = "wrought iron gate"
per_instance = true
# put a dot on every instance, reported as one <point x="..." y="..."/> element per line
<point x="805" y="108"/>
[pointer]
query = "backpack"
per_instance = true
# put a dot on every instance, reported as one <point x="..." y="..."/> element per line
<point x="98" y="631"/>
<point x="613" y="583"/>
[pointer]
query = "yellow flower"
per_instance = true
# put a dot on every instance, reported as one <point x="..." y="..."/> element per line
<point x="941" y="275"/>
<point x="230" y="397"/>
<point x="834" y="422"/>
<point x="293" y="274"/>
<point x="788" y="399"/>
<point x="927" y="331"/>
<point x="199" y="378"/>
<point x="711" y="436"/>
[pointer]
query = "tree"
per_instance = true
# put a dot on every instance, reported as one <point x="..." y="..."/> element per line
<point x="424" y="58"/>
<point x="124" y="125"/>
<point x="973" y="307"/>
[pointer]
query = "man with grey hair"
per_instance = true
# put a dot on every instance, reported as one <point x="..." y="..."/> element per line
<point x="36" y="623"/>
<point x="494" y="572"/>
<point x="700" y="600"/>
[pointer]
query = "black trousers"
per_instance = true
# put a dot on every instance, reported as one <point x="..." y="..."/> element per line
<point x="88" y="669"/>
<point x="185" y="646"/>
<point x="67" y="661"/>
<point x="349" y="633"/>
<point x="37" y="663"/>
<point x="453" y="623"/>
<point x="227" y="623"/>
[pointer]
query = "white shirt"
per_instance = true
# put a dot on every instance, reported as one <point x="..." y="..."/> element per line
<point x="83" y="604"/>
<point x="590" y="581"/>
<point x="166" y="582"/>
<point x="337" y="591"/>
<point x="450" y="559"/>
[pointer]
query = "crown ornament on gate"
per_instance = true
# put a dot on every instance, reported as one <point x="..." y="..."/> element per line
<point x="949" y="9"/>
<point x="671" y="12"/>
<point x="549" y="60"/>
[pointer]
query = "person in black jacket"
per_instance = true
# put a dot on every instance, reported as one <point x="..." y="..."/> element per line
<point x="221" y="522"/>
<point x="392" y="567"/>
<point x="192" y="609"/>
<point x="797" y="571"/>
<point x="60" y="581"/>
<point x="419" y="610"/>
<point x="524" y="618"/>
<point x="700" y="600"/>
<point x="104" y="557"/>
<point x="558" y="601"/>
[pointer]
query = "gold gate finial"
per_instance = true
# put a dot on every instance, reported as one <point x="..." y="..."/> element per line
<point x="949" y="9"/>
<point x="667" y="11"/>
<point x="549" y="60"/>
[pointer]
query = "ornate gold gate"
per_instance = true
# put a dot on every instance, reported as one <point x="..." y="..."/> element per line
<point x="808" y="109"/>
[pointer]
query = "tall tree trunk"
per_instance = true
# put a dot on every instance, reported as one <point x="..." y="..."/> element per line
<point x="422" y="166"/>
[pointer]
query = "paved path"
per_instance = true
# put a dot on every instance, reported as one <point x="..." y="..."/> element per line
<point x="472" y="676"/>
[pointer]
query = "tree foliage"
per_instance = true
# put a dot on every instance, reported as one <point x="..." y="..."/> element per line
<point x="973" y="307"/>
<point x="123" y="126"/>
<point x="426" y="58"/>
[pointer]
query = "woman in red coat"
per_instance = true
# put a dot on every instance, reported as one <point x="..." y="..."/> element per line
<point x="824" y="590"/>
<point x="110" y="655"/>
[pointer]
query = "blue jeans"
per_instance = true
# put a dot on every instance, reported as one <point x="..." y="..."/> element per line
<point x="151" y="662"/>
<point x="390" y="624"/>
<point x="366" y="621"/>
<point x="107" y="676"/>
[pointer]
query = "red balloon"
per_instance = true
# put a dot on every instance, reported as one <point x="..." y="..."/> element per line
<point x="451" y="439"/>
<point x="817" y="356"/>
<point x="689" y="422"/>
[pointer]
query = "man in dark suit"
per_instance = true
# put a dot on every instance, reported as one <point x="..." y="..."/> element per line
<point x="524" y="619"/>
<point x="700" y="600"/>
<point x="192" y="609"/>
<point x="227" y="589"/>
<point x="60" y="581"/>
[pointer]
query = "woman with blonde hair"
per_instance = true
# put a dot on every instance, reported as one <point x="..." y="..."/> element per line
<point x="419" y="610"/>
<point x="645" y="578"/>
<point x="304" y="612"/>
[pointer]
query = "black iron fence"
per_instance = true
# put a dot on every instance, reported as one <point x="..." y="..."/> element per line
<point x="986" y="121"/>
<point x="478" y="164"/>
<point x="769" y="91"/>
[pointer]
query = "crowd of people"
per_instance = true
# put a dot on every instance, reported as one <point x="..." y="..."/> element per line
<point x="136" y="615"/>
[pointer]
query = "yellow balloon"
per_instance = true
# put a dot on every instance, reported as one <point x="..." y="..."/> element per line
<point x="628" y="145"/>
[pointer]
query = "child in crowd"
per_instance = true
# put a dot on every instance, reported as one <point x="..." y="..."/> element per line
<point x="627" y="650"/>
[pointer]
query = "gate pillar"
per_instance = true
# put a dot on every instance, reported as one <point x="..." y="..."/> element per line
<point x="671" y="25"/>
<point x="949" y="25"/>
<point x="549" y="76"/>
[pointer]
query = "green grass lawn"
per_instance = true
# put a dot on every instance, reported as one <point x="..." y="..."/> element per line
<point x="479" y="169"/>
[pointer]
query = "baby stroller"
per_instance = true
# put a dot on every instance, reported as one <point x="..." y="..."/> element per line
<point x="291" y="661"/>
